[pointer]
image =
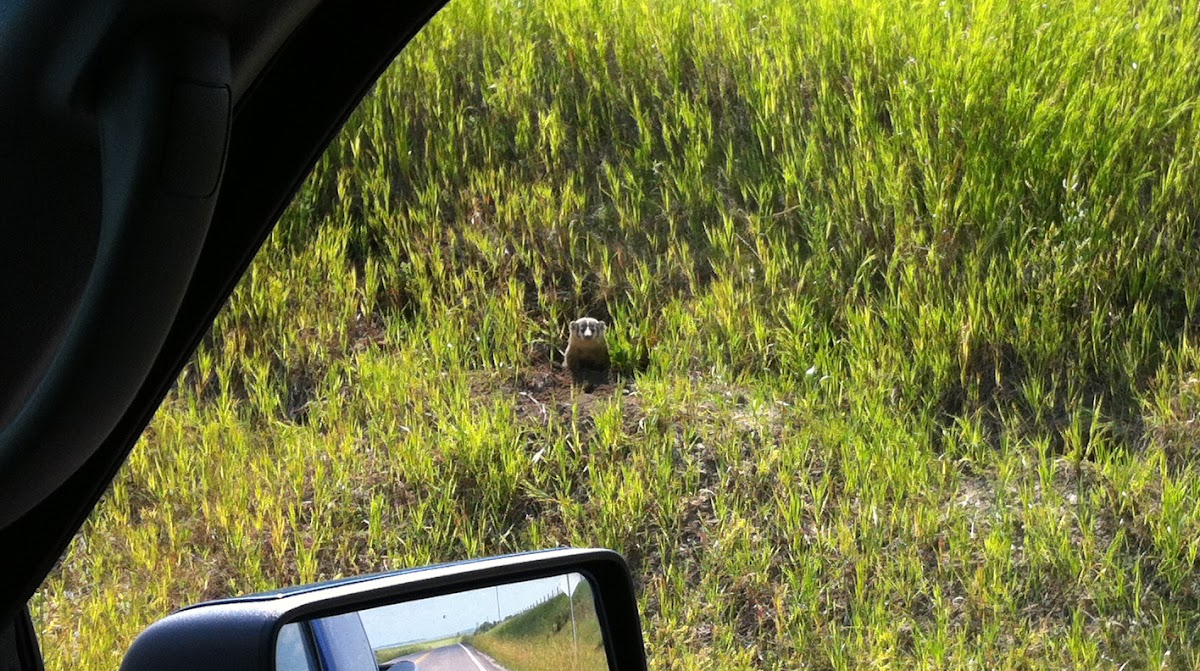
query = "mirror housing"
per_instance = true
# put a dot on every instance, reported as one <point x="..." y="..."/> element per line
<point x="240" y="634"/>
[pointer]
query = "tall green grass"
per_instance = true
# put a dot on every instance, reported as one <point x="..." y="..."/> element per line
<point x="901" y="299"/>
<point x="560" y="633"/>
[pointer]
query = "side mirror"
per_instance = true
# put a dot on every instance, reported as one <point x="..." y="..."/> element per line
<point x="539" y="611"/>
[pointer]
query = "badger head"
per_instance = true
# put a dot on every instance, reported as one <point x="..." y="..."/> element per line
<point x="587" y="328"/>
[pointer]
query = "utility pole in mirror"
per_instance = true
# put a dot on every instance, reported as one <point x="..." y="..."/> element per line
<point x="574" y="631"/>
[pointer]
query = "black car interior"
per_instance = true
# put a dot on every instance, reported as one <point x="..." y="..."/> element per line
<point x="149" y="149"/>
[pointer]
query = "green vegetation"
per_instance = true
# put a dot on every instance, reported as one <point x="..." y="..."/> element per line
<point x="902" y="301"/>
<point x="545" y="638"/>
<point x="549" y="616"/>
<point x="389" y="653"/>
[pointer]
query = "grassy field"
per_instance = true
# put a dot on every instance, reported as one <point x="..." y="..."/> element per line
<point x="902" y="299"/>
<point x="546" y="638"/>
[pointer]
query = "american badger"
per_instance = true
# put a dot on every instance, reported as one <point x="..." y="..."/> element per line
<point x="586" y="347"/>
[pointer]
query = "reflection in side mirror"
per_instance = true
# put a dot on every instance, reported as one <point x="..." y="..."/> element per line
<point x="565" y="609"/>
<point x="547" y="624"/>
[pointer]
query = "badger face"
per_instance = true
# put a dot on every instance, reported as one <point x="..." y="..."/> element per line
<point x="587" y="328"/>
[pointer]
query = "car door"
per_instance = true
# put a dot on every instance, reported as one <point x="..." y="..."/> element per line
<point x="146" y="162"/>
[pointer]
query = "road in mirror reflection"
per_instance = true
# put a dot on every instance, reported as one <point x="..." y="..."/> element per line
<point x="549" y="624"/>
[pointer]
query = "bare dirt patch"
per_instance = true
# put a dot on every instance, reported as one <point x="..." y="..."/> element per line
<point x="548" y="391"/>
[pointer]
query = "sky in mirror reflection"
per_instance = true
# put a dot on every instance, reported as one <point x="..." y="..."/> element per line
<point x="461" y="613"/>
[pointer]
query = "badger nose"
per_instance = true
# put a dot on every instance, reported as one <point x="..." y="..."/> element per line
<point x="587" y="332"/>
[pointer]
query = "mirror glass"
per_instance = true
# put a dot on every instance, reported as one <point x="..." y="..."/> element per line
<point x="548" y="624"/>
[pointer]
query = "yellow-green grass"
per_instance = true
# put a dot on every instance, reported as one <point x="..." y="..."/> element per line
<point x="582" y="650"/>
<point x="902" y="301"/>
<point x="557" y="653"/>
<point x="546" y="637"/>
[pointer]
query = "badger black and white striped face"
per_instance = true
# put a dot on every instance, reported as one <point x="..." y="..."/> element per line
<point x="587" y="328"/>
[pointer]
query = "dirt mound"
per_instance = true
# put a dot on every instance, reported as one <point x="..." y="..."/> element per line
<point x="548" y="390"/>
